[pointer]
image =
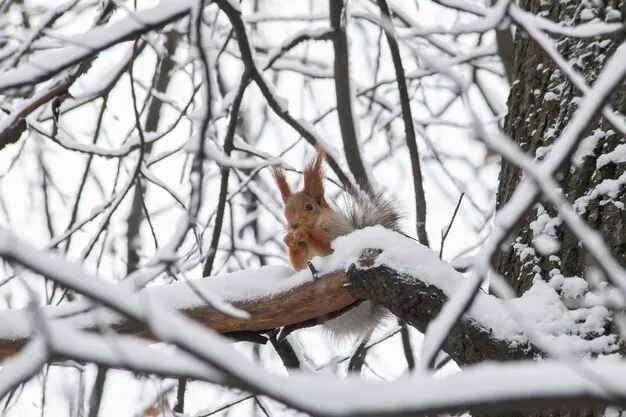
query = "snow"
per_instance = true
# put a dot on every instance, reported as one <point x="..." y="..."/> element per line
<point x="587" y="146"/>
<point x="275" y="136"/>
<point x="613" y="15"/>
<point x="214" y="153"/>
<point x="529" y="22"/>
<point x="564" y="329"/>
<point x="276" y="52"/>
<point x="544" y="229"/>
<point x="540" y="177"/>
<point x="239" y="286"/>
<point x="23" y="366"/>
<point x="546" y="245"/>
<point x="616" y="156"/>
<point x="540" y="307"/>
<point x="608" y="187"/>
<point x="549" y="95"/>
<point x="587" y="14"/>
<point x="123" y="351"/>
<point x="325" y="395"/>
<point x="42" y="65"/>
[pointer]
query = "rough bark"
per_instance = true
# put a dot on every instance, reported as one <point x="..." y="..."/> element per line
<point x="534" y="121"/>
<point x="541" y="103"/>
<point x="418" y="303"/>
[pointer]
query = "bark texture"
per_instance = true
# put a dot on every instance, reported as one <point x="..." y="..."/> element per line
<point x="417" y="303"/>
<point x="541" y="103"/>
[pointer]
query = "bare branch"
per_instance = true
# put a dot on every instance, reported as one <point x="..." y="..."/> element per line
<point x="244" y="46"/>
<point x="343" y="94"/>
<point x="407" y="117"/>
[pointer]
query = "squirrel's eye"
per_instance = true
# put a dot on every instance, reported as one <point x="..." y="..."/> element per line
<point x="308" y="207"/>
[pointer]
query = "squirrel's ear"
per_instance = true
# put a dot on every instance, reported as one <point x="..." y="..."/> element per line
<point x="279" y="177"/>
<point x="314" y="177"/>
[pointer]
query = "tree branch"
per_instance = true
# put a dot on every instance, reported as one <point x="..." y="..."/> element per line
<point x="409" y="128"/>
<point x="403" y="276"/>
<point x="303" y="129"/>
<point x="300" y="303"/>
<point x="418" y="303"/>
<point x="46" y="64"/>
<point x="345" y="112"/>
<point x="274" y="298"/>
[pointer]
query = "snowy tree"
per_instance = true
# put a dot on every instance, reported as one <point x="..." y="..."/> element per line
<point x="137" y="206"/>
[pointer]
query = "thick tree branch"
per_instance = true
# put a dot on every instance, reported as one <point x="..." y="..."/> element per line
<point x="274" y="298"/>
<point x="418" y="303"/>
<point x="302" y="303"/>
<point x="416" y="294"/>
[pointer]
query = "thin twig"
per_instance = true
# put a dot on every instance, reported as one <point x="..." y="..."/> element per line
<point x="97" y="391"/>
<point x="234" y="16"/>
<point x="447" y="230"/>
<point x="406" y="345"/>
<point x="285" y="351"/>
<point x="358" y="359"/>
<point x="179" y="407"/>
<point x="228" y="147"/>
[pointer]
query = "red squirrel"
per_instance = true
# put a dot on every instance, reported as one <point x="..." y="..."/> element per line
<point x="314" y="222"/>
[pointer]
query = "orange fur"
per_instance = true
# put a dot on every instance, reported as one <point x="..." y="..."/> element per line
<point x="298" y="252"/>
<point x="317" y="240"/>
<point x="314" y="176"/>
<point x="306" y="238"/>
<point x="279" y="177"/>
<point x="313" y="224"/>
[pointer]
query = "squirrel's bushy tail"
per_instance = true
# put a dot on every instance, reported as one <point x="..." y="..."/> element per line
<point x="368" y="208"/>
<point x="363" y="209"/>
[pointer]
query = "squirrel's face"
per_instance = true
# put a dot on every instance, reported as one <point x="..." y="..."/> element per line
<point x="302" y="210"/>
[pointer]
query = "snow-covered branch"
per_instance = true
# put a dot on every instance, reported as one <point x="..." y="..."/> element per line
<point x="46" y="64"/>
<point x="399" y="266"/>
<point x="399" y="274"/>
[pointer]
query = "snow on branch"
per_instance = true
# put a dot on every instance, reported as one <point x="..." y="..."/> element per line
<point x="45" y="64"/>
<point x="272" y="297"/>
<point x="418" y="273"/>
<point x="400" y="274"/>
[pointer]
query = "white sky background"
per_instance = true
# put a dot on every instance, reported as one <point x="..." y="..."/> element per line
<point x="124" y="395"/>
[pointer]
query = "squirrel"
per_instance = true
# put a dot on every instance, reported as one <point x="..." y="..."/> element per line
<point x="314" y="222"/>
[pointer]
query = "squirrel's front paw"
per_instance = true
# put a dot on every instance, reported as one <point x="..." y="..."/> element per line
<point x="301" y="235"/>
<point x="289" y="240"/>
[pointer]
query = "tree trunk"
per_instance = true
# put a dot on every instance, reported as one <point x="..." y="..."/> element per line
<point x="541" y="103"/>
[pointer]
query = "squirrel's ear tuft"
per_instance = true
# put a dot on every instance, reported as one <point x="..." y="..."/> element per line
<point x="279" y="177"/>
<point x="314" y="177"/>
